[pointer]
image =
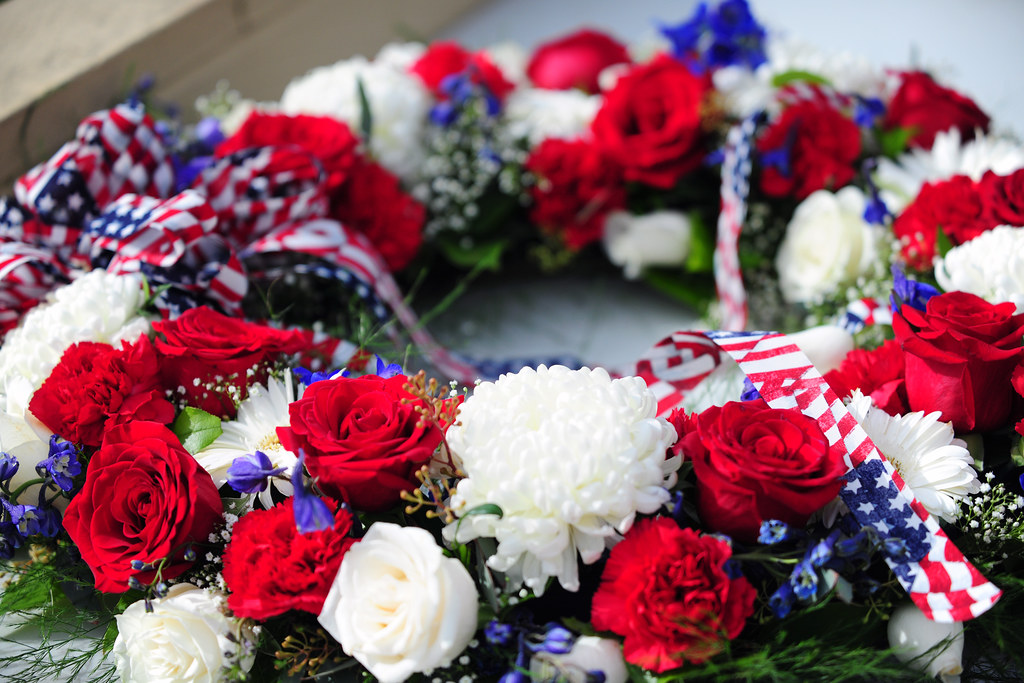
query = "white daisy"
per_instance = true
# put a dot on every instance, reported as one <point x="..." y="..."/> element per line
<point x="255" y="429"/>
<point x="901" y="180"/>
<point x="937" y="467"/>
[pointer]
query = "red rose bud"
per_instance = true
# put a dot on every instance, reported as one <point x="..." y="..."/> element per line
<point x="210" y="355"/>
<point x="1002" y="197"/>
<point x="650" y="122"/>
<point x="363" y="445"/>
<point x="811" y="147"/>
<point x="669" y="592"/>
<point x="755" y="463"/>
<point x="927" y="108"/>
<point x="448" y="58"/>
<point x="145" y="499"/>
<point x="960" y="354"/>
<point x="575" y="61"/>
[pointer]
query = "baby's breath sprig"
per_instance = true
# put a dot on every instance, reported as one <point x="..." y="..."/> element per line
<point x="993" y="517"/>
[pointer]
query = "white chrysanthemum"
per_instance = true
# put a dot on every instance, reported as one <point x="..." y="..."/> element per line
<point x="937" y="467"/>
<point x="570" y="457"/>
<point x="537" y="114"/>
<point x="400" y="56"/>
<point x="399" y="105"/>
<point x="97" y="307"/>
<point x="254" y="429"/>
<point x="990" y="266"/>
<point x="746" y="91"/>
<point x="901" y="180"/>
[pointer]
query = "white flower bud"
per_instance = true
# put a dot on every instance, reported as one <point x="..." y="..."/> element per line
<point x="912" y="635"/>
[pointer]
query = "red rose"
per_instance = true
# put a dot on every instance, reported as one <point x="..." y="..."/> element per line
<point x="362" y="437"/>
<point x="326" y="138"/>
<point x="961" y="353"/>
<point x="953" y="206"/>
<point x="878" y="373"/>
<point x="372" y="203"/>
<point x="926" y="108"/>
<point x="271" y="568"/>
<point x="577" y="185"/>
<point x="448" y="58"/>
<point x="667" y="591"/>
<point x="209" y="355"/>
<point x="95" y="383"/>
<point x="145" y="498"/>
<point x="575" y="61"/>
<point x="819" y="145"/>
<point x="754" y="463"/>
<point x="650" y="122"/>
<point x="1003" y="197"/>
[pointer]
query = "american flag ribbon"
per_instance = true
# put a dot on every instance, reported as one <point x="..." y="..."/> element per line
<point x="863" y="312"/>
<point x="936" y="575"/>
<point x="736" y="167"/>
<point x="27" y="274"/>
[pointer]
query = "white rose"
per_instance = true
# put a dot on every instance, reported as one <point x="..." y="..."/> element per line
<point x="661" y="238"/>
<point x="588" y="654"/>
<point x="398" y="605"/>
<point x="828" y="244"/>
<point x="184" y="638"/>
<point x="914" y="639"/>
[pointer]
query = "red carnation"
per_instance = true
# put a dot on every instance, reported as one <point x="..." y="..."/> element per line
<point x="271" y="568"/>
<point x="577" y="186"/>
<point x="372" y="203"/>
<point x="96" y="385"/>
<point x="953" y="206"/>
<point x="754" y="463"/>
<point x="927" y="108"/>
<point x="878" y="373"/>
<point x="326" y="138"/>
<point x="575" y="61"/>
<point x="145" y="498"/>
<point x="650" y="122"/>
<point x="817" y="146"/>
<point x="206" y="357"/>
<point x="448" y="58"/>
<point x="363" y="438"/>
<point x="667" y="591"/>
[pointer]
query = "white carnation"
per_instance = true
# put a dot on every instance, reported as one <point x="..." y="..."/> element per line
<point x="659" y="238"/>
<point x="991" y="266"/>
<point x="901" y="180"/>
<point x="184" y="638"/>
<point x="827" y="245"/>
<point x="570" y="457"/>
<point x="97" y="307"/>
<point x="399" y="105"/>
<point x="537" y="114"/>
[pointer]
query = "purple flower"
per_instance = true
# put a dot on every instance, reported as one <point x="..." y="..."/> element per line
<point x="311" y="513"/>
<point x="386" y="370"/>
<point x="8" y="466"/>
<point x="249" y="473"/>
<point x="309" y="377"/>
<point x="907" y="292"/>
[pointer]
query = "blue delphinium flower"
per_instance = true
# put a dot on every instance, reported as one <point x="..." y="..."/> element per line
<point x="781" y="601"/>
<point x="557" y="640"/>
<point x="821" y="552"/>
<point x="8" y="466"/>
<point x="907" y="292"/>
<point x="250" y="473"/>
<point x="804" y="580"/>
<point x="311" y="513"/>
<point x="776" y="531"/>
<point x="386" y="370"/>
<point x="725" y="36"/>
<point x="498" y="633"/>
<point x="61" y="464"/>
<point x="749" y="392"/>
<point x="308" y="377"/>
<point x="10" y="540"/>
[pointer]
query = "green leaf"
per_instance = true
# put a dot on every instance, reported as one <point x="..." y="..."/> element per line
<point x="196" y="429"/>
<point x="109" y="636"/>
<point x="797" y="76"/>
<point x="894" y="141"/>
<point x="34" y="590"/>
<point x="485" y="509"/>
<point x="701" y="258"/>
<point x="365" y="113"/>
<point x="485" y="255"/>
<point x="942" y="243"/>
